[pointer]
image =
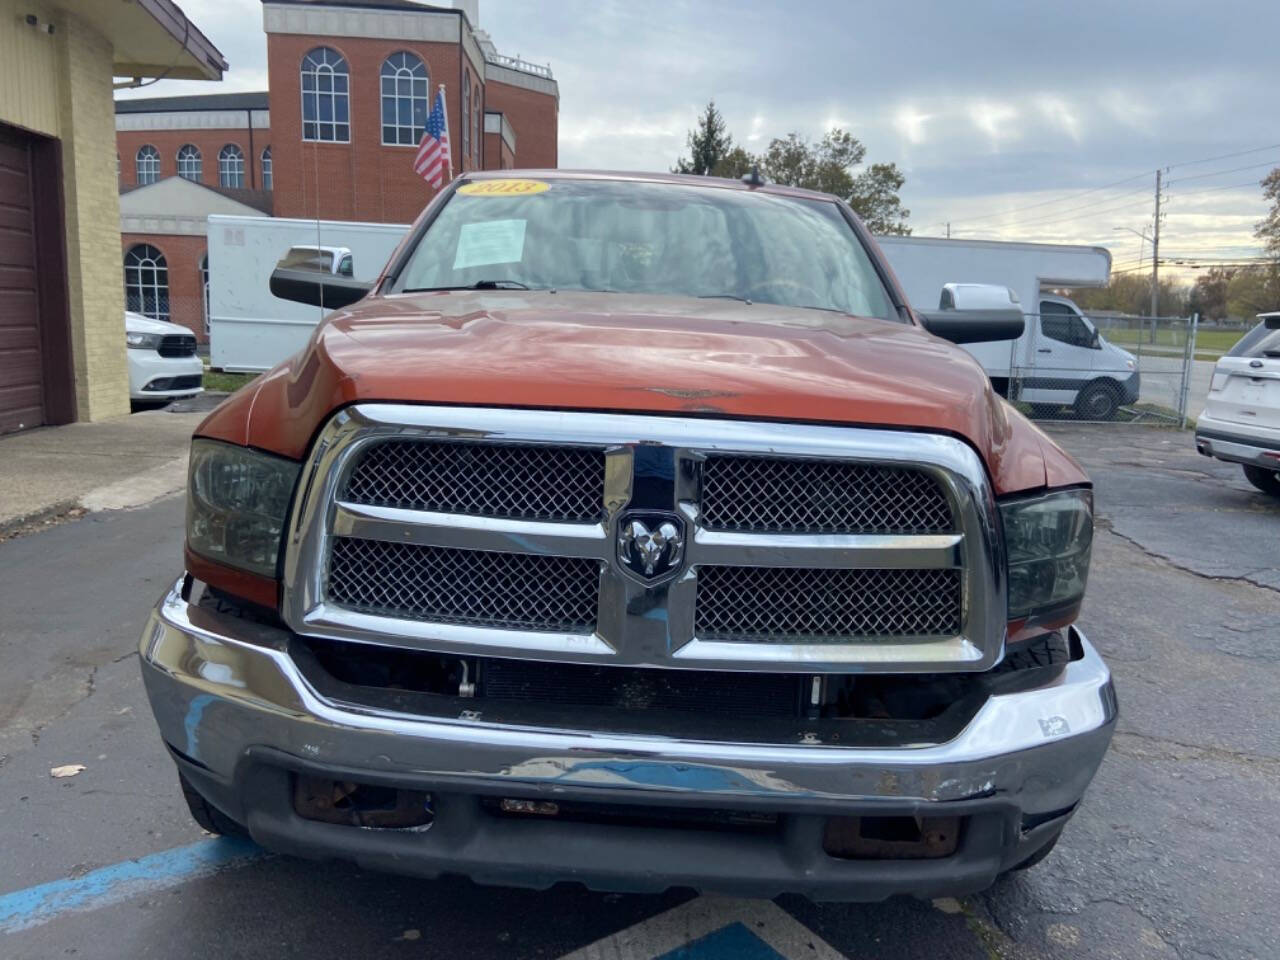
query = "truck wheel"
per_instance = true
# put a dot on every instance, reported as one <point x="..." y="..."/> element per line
<point x="1268" y="481"/>
<point x="207" y="815"/>
<point x="1098" y="401"/>
<point x="1039" y="855"/>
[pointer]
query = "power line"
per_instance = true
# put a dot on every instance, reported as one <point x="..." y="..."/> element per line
<point x="1225" y="156"/>
<point x="1219" y="173"/>
<point x="1045" y="203"/>
<point x="1107" y="186"/>
<point x="1229" y="186"/>
<point x="1058" y="218"/>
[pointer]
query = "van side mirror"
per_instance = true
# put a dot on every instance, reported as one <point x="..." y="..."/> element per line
<point x="1272" y="320"/>
<point x="317" y="287"/>
<point x="974" y="326"/>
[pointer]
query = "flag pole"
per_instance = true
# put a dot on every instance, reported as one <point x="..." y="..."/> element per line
<point x="445" y="98"/>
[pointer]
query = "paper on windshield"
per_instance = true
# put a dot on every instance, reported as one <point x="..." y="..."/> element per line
<point x="492" y="241"/>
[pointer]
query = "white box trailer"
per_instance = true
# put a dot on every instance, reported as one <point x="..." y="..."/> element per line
<point x="1060" y="358"/>
<point x="251" y="330"/>
<point x="1054" y="363"/>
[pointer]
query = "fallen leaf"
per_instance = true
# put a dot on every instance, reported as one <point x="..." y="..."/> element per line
<point x="69" y="770"/>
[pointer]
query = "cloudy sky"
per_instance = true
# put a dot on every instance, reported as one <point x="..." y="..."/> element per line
<point x="1013" y="120"/>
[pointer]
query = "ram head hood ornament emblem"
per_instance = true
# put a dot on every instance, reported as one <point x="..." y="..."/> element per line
<point x="651" y="544"/>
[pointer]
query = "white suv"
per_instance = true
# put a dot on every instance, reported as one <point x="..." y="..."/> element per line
<point x="1241" y="419"/>
<point x="163" y="364"/>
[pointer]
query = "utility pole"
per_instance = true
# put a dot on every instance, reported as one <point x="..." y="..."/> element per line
<point x="1155" y="262"/>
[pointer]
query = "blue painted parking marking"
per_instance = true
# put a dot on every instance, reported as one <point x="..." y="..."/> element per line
<point x="734" y="942"/>
<point x="713" y="928"/>
<point x="34" y="906"/>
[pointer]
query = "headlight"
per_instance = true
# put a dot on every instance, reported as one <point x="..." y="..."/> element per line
<point x="237" y="502"/>
<point x="1048" y="539"/>
<point x="142" y="341"/>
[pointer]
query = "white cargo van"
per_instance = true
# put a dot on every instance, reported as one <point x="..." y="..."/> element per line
<point x="1060" y="359"/>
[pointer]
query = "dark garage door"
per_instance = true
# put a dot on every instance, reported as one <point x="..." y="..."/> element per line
<point x="21" y="384"/>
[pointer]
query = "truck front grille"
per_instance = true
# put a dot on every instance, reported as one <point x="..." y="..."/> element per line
<point x="771" y="494"/>
<point x="772" y="605"/>
<point x="527" y="481"/>
<point x="521" y="534"/>
<point x="177" y="345"/>
<point x="504" y="590"/>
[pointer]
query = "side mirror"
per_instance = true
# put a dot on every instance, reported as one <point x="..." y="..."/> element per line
<point x="974" y="326"/>
<point x="319" y="288"/>
<point x="1272" y="320"/>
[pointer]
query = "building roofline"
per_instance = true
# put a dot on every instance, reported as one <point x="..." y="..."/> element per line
<point x="252" y="100"/>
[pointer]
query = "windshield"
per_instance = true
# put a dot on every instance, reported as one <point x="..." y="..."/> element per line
<point x="618" y="236"/>
<point x="1256" y="343"/>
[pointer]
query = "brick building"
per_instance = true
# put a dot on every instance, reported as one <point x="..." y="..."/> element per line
<point x="350" y="84"/>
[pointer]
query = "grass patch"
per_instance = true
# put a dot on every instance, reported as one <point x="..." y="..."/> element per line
<point x="1210" y="343"/>
<point x="227" y="382"/>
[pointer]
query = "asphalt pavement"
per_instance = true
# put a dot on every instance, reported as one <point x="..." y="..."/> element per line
<point x="1174" y="853"/>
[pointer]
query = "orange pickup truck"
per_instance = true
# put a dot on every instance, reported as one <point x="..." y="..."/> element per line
<point x="634" y="530"/>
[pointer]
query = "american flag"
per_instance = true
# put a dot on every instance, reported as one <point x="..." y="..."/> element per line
<point x="433" y="150"/>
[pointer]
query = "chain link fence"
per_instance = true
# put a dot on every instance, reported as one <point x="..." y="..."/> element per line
<point x="1112" y="369"/>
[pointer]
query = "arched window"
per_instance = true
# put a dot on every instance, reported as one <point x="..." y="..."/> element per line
<point x="266" y="168"/>
<point x="148" y="164"/>
<point x="204" y="285"/>
<point x="189" y="162"/>
<point x="146" y="282"/>
<point x="326" y="113"/>
<point x="476" y="111"/>
<point x="466" y="114"/>
<point x="404" y="99"/>
<point x="230" y="166"/>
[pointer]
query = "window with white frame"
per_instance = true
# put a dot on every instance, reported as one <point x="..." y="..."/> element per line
<point x="148" y="164"/>
<point x="405" y="98"/>
<point x="326" y="108"/>
<point x="266" y="168"/>
<point x="189" y="162"/>
<point x="146" y="282"/>
<point x="230" y="166"/>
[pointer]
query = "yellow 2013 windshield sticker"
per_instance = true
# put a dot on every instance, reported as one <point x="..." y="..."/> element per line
<point x="503" y="188"/>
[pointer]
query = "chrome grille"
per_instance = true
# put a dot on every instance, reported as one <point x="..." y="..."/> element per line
<point x="769" y="494"/>
<point x="440" y="584"/>
<point x="769" y="604"/>
<point x="495" y="532"/>
<point x="529" y="482"/>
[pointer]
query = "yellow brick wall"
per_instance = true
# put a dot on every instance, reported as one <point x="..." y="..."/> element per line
<point x="94" y="272"/>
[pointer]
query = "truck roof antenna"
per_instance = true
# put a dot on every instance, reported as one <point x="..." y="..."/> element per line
<point x="753" y="179"/>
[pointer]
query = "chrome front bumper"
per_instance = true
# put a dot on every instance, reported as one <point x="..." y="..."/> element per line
<point x="231" y="702"/>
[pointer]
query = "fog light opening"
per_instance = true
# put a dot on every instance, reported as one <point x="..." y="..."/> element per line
<point x="353" y="804"/>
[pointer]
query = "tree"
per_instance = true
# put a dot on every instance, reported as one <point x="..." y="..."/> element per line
<point x="1130" y="293"/>
<point x="1268" y="229"/>
<point x="1209" y="295"/>
<point x="1254" y="290"/>
<point x="735" y="164"/>
<point x="828" y="165"/>
<point x="709" y="143"/>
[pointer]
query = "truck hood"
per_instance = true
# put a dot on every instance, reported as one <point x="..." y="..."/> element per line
<point x="638" y="354"/>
